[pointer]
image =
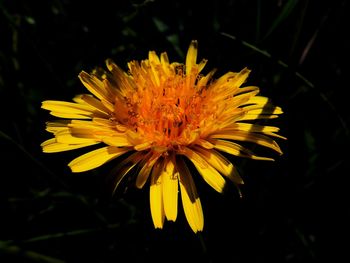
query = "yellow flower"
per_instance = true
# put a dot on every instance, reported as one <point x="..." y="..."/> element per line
<point x="161" y="113"/>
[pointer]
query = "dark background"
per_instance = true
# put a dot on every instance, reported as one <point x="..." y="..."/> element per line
<point x="292" y="210"/>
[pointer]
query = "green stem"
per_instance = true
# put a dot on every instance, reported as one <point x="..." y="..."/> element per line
<point x="73" y="233"/>
<point x="28" y="254"/>
<point x="297" y="74"/>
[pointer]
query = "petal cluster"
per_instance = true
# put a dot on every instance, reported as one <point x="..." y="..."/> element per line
<point x="163" y="113"/>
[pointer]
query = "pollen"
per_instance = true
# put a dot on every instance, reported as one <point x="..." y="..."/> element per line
<point x="164" y="110"/>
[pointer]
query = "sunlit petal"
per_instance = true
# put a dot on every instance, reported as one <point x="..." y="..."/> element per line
<point x="95" y="158"/>
<point x="159" y="115"/>
<point x="156" y="196"/>
<point x="190" y="199"/>
<point x="170" y="190"/>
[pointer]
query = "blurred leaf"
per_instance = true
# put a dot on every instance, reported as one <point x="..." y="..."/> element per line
<point x="160" y="25"/>
<point x="310" y="141"/>
<point x="286" y="11"/>
<point x="30" y="20"/>
<point x="268" y="55"/>
<point x="174" y="40"/>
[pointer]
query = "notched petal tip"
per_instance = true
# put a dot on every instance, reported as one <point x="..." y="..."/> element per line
<point x="191" y="57"/>
<point x="153" y="57"/>
<point x="43" y="104"/>
<point x="245" y="70"/>
<point x="110" y="64"/>
<point x="194" y="43"/>
<point x="83" y="75"/>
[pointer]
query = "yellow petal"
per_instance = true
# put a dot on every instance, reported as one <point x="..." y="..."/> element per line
<point x="156" y="196"/>
<point x="52" y="146"/>
<point x="57" y="126"/>
<point x="153" y="57"/>
<point x="248" y="137"/>
<point x="96" y="158"/>
<point x="94" y="85"/>
<point x="255" y="128"/>
<point x="117" y="140"/>
<point x="170" y="190"/>
<point x="190" y="199"/>
<point x="143" y="146"/>
<point x="165" y="64"/>
<point x="237" y="150"/>
<point x="220" y="84"/>
<point x="69" y="115"/>
<point x="155" y="66"/>
<point x="99" y="131"/>
<point x="220" y="163"/>
<point x="191" y="57"/>
<point x="232" y="84"/>
<point x="90" y="125"/>
<point x="66" y="136"/>
<point x="208" y="172"/>
<point x="204" y="144"/>
<point x="201" y="65"/>
<point x="78" y="99"/>
<point x="125" y="83"/>
<point x="241" y="77"/>
<point x="247" y="90"/>
<point x="229" y="85"/>
<point x="124" y="167"/>
<point x="108" y="105"/>
<point x="243" y="97"/>
<point x="258" y="110"/>
<point x="260" y="100"/>
<point x="145" y="170"/>
<point x="134" y="138"/>
<point x="95" y="103"/>
<point x="66" y="107"/>
<point x="249" y="117"/>
<point x="67" y="110"/>
<point x="204" y="80"/>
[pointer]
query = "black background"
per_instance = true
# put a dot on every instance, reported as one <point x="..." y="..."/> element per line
<point x="292" y="210"/>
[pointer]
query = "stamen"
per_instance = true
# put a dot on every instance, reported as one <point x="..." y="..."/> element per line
<point x="162" y="111"/>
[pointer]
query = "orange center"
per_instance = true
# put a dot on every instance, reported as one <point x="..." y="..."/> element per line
<point x="161" y="113"/>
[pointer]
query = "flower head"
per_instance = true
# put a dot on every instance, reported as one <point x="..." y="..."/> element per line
<point x="161" y="113"/>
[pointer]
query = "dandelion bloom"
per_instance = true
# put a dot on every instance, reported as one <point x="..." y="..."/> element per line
<point x="158" y="114"/>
